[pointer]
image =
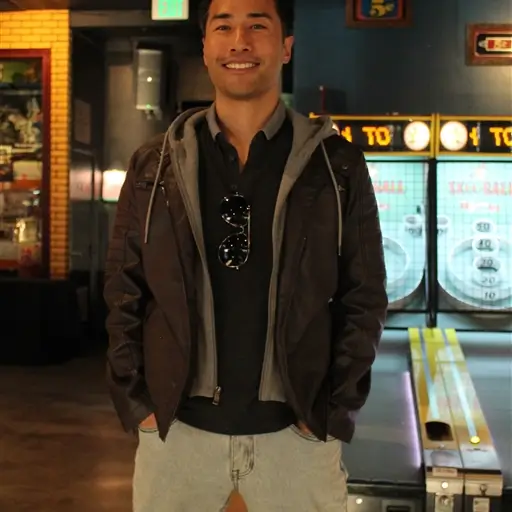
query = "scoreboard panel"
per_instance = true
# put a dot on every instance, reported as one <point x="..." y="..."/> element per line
<point x="472" y="136"/>
<point x="386" y="135"/>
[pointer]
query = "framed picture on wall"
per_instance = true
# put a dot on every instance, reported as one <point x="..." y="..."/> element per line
<point x="378" y="13"/>
<point x="489" y="44"/>
<point x="24" y="161"/>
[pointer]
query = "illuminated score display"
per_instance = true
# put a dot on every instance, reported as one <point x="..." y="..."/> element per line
<point x="475" y="136"/>
<point x="387" y="135"/>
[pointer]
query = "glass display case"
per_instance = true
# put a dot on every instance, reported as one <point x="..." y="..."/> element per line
<point x="24" y="149"/>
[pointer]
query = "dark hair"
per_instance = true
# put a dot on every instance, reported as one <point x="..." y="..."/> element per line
<point x="284" y="10"/>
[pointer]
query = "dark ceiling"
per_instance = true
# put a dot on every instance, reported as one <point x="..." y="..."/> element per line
<point x="86" y="5"/>
<point x="76" y="4"/>
<point x="125" y="15"/>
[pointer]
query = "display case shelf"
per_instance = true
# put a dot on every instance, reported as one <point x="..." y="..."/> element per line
<point x="24" y="158"/>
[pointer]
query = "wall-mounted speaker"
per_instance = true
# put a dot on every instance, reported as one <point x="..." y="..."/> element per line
<point x="150" y="77"/>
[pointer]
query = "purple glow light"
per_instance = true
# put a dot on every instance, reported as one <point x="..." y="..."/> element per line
<point x="413" y="421"/>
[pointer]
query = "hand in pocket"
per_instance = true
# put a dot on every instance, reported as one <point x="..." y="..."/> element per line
<point x="149" y="423"/>
<point x="302" y="427"/>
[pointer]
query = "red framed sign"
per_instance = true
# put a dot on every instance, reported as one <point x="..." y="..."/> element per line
<point x="378" y="13"/>
<point x="489" y="44"/>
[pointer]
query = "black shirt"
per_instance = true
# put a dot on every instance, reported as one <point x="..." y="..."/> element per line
<point x="240" y="296"/>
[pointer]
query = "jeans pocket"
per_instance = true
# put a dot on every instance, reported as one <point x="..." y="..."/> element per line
<point x="309" y="437"/>
<point x="343" y="468"/>
<point x="154" y="430"/>
<point x="150" y="430"/>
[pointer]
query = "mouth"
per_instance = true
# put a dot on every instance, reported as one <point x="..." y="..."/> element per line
<point x="240" y="66"/>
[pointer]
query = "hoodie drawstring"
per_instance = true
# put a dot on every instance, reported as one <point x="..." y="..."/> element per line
<point x="154" y="189"/>
<point x="337" y="190"/>
<point x="159" y="173"/>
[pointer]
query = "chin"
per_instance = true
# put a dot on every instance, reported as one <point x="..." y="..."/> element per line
<point x="241" y="94"/>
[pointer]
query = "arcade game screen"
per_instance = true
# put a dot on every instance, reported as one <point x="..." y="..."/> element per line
<point x="474" y="187"/>
<point x="397" y="150"/>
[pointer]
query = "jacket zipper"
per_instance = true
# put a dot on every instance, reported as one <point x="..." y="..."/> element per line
<point x="161" y="185"/>
<point x="284" y="363"/>
<point x="216" y="395"/>
<point x="305" y="156"/>
<point x="216" y="389"/>
<point x="145" y="185"/>
<point x="300" y="254"/>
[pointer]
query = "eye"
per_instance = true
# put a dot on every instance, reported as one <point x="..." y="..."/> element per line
<point x="222" y="27"/>
<point x="258" y="26"/>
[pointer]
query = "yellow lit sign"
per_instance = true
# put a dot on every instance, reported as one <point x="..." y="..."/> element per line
<point x="346" y="132"/>
<point x="473" y="136"/>
<point x="374" y="135"/>
<point x="502" y="136"/>
<point x="387" y="134"/>
<point x="378" y="135"/>
<point x="410" y="136"/>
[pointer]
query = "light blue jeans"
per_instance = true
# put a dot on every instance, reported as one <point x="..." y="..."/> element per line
<point x="195" y="471"/>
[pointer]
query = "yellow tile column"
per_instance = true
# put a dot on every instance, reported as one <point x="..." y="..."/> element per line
<point x="49" y="29"/>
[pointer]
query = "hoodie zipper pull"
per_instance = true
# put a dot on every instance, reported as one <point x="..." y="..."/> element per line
<point x="216" y="395"/>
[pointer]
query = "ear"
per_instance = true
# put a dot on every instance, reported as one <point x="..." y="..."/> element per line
<point x="288" y="45"/>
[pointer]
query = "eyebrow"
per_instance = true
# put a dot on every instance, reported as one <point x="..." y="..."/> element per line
<point x="252" y="15"/>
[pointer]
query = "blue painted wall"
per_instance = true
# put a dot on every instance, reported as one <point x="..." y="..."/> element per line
<point x="416" y="70"/>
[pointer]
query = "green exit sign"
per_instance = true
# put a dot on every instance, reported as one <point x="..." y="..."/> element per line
<point x="162" y="10"/>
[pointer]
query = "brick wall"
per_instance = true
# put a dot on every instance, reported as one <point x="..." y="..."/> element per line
<point x="50" y="30"/>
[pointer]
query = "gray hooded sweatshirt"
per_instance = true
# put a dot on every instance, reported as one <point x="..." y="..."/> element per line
<point x="181" y="143"/>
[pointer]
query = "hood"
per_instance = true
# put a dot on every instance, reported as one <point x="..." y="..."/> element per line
<point x="181" y="140"/>
<point x="182" y="129"/>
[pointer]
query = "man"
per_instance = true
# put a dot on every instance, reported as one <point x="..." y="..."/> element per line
<point x="246" y="288"/>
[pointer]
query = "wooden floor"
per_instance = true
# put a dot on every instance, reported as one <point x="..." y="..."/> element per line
<point x="61" y="446"/>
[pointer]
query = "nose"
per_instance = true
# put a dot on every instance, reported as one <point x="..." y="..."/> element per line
<point x="241" y="41"/>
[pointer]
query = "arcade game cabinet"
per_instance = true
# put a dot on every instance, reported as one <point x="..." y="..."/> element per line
<point x="474" y="202"/>
<point x="474" y="177"/>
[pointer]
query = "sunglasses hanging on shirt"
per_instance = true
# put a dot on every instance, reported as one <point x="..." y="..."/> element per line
<point x="235" y="248"/>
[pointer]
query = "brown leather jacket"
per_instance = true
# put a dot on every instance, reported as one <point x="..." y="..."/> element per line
<point x="327" y="300"/>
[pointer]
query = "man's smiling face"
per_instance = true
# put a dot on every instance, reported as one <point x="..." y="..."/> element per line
<point x="244" y="47"/>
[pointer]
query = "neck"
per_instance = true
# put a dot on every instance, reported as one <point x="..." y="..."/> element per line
<point x="242" y="120"/>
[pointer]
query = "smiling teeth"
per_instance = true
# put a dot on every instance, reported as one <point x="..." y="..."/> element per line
<point x="240" y="66"/>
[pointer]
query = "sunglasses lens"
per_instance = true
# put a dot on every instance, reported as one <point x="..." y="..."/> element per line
<point x="235" y="210"/>
<point x="234" y="251"/>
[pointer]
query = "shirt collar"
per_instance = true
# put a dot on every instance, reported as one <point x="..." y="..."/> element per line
<point x="270" y="129"/>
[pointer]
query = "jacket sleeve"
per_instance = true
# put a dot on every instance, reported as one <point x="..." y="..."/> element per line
<point x="359" y="308"/>
<point x="126" y="294"/>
